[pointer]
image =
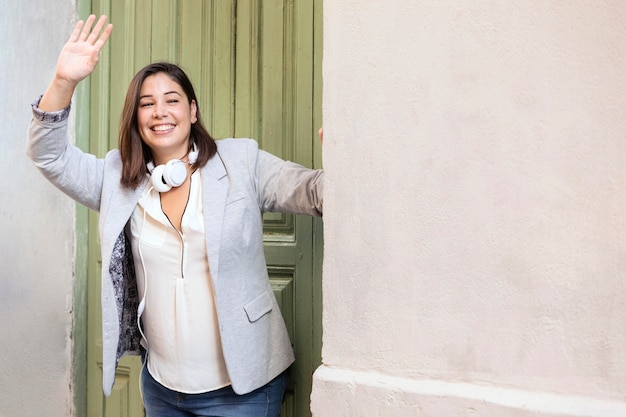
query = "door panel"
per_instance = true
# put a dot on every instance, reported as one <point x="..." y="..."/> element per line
<point x="255" y="66"/>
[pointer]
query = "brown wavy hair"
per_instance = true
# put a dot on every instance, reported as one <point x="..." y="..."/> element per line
<point x="135" y="154"/>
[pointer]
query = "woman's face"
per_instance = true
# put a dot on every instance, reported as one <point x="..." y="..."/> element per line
<point x="164" y="117"/>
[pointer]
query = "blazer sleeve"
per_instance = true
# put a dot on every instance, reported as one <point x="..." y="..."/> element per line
<point x="77" y="174"/>
<point x="286" y="187"/>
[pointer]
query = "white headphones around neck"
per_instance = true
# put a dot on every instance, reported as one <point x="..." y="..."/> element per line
<point x="171" y="174"/>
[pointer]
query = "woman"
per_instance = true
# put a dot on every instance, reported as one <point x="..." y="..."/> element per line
<point x="184" y="279"/>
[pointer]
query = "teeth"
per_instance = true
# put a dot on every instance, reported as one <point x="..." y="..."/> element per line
<point x="162" y="128"/>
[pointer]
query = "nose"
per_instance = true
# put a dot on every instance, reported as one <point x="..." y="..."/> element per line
<point x="159" y="110"/>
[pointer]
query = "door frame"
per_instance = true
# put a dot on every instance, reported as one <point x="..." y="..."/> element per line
<point x="80" y="338"/>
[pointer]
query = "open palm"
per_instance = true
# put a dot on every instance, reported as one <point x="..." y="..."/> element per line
<point x="80" y="54"/>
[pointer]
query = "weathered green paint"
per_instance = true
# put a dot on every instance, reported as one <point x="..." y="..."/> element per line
<point x="79" y="303"/>
<point x="256" y="67"/>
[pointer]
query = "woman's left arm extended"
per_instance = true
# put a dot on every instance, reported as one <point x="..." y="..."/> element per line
<point x="288" y="187"/>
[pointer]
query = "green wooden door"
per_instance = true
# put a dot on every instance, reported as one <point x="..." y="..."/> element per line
<point x="256" y="67"/>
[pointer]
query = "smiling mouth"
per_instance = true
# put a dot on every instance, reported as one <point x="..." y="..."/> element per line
<point x="162" y="128"/>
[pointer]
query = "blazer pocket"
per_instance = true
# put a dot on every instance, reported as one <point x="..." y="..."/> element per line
<point x="259" y="307"/>
<point x="234" y="198"/>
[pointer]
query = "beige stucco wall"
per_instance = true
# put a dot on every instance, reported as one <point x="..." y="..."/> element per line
<point x="475" y="222"/>
<point x="36" y="224"/>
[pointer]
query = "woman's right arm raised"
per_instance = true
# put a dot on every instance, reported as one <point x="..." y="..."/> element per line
<point x="78" y="174"/>
<point x="77" y="60"/>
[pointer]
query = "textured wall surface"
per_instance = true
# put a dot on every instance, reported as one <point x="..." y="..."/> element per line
<point x="475" y="229"/>
<point x="36" y="224"/>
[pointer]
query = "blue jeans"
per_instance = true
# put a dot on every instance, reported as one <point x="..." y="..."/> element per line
<point x="160" y="401"/>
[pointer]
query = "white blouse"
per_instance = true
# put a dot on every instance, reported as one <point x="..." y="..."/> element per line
<point x="179" y="318"/>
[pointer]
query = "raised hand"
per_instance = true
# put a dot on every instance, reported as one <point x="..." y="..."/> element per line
<point x="77" y="60"/>
<point x="80" y="54"/>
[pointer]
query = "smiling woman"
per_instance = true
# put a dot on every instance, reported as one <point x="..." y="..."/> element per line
<point x="161" y="121"/>
<point x="165" y="116"/>
<point x="180" y="278"/>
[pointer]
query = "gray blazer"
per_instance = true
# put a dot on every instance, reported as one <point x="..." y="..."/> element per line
<point x="238" y="185"/>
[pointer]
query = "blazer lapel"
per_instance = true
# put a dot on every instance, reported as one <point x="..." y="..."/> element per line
<point x="214" y="193"/>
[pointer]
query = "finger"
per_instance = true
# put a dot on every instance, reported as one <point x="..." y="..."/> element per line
<point x="97" y="29"/>
<point x="76" y="31"/>
<point x="103" y="38"/>
<point x="87" y="27"/>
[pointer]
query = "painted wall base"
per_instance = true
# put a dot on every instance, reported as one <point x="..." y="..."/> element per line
<point x="339" y="392"/>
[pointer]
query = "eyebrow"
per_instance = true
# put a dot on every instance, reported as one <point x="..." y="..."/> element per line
<point x="169" y="92"/>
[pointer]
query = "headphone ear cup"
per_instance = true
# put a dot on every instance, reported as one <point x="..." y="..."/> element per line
<point x="158" y="181"/>
<point x="175" y="173"/>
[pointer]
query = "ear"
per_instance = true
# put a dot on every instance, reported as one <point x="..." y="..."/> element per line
<point x="194" y="111"/>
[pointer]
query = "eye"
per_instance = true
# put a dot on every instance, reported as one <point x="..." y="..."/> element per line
<point x="172" y="101"/>
<point x="145" y="105"/>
